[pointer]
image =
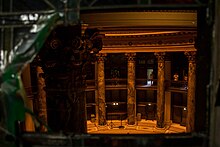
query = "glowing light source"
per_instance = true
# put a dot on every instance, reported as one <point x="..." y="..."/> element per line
<point x="115" y="103"/>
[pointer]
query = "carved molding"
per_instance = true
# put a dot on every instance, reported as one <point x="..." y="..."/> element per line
<point x="154" y="39"/>
<point x="148" y="49"/>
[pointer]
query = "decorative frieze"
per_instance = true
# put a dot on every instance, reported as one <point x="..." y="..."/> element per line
<point x="154" y="39"/>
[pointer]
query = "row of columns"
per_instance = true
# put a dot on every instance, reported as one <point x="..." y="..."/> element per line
<point x="163" y="98"/>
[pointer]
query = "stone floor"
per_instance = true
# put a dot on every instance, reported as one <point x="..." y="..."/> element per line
<point x="142" y="127"/>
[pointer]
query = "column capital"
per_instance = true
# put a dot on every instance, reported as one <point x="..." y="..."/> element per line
<point x="84" y="26"/>
<point x="160" y="56"/>
<point x="130" y="56"/>
<point x="36" y="62"/>
<point x="191" y="56"/>
<point x="101" y="57"/>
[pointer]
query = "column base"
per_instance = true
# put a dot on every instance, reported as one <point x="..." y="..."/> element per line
<point x="160" y="130"/>
<point x="168" y="123"/>
<point x="105" y="127"/>
<point x="131" y="127"/>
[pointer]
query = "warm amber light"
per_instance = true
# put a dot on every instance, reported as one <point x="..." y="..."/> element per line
<point x="142" y="33"/>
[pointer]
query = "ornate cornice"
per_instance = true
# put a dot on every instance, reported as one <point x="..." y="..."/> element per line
<point x="145" y="31"/>
<point x="153" y="39"/>
<point x="154" y="42"/>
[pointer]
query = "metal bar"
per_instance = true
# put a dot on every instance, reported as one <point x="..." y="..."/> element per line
<point x="26" y="12"/>
<point x="1" y="3"/>
<point x="1" y="49"/>
<point x="86" y="2"/>
<point x="11" y="6"/>
<point x="92" y="3"/>
<point x="50" y="4"/>
<point x="153" y="6"/>
<point x="12" y="39"/>
<point x="15" y="26"/>
<point x="2" y="35"/>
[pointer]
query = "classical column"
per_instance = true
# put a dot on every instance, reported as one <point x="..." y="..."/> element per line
<point x="160" y="89"/>
<point x="167" y="93"/>
<point x="131" y="96"/>
<point x="26" y="78"/>
<point x="190" y="120"/>
<point x="41" y="98"/>
<point x="96" y="94"/>
<point x="101" y="89"/>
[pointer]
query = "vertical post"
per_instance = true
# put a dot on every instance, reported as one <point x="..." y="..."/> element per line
<point x="72" y="16"/>
<point x="26" y="78"/>
<point x="82" y="124"/>
<point x="131" y="96"/>
<point x="167" y="93"/>
<point x="41" y="98"/>
<point x="160" y="89"/>
<point x="96" y="94"/>
<point x="190" y="120"/>
<point x="214" y="100"/>
<point x="101" y="89"/>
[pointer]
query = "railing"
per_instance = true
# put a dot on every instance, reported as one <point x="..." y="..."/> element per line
<point x="90" y="83"/>
<point x="178" y="85"/>
<point x="146" y="82"/>
<point x="116" y="81"/>
<point x="182" y="111"/>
